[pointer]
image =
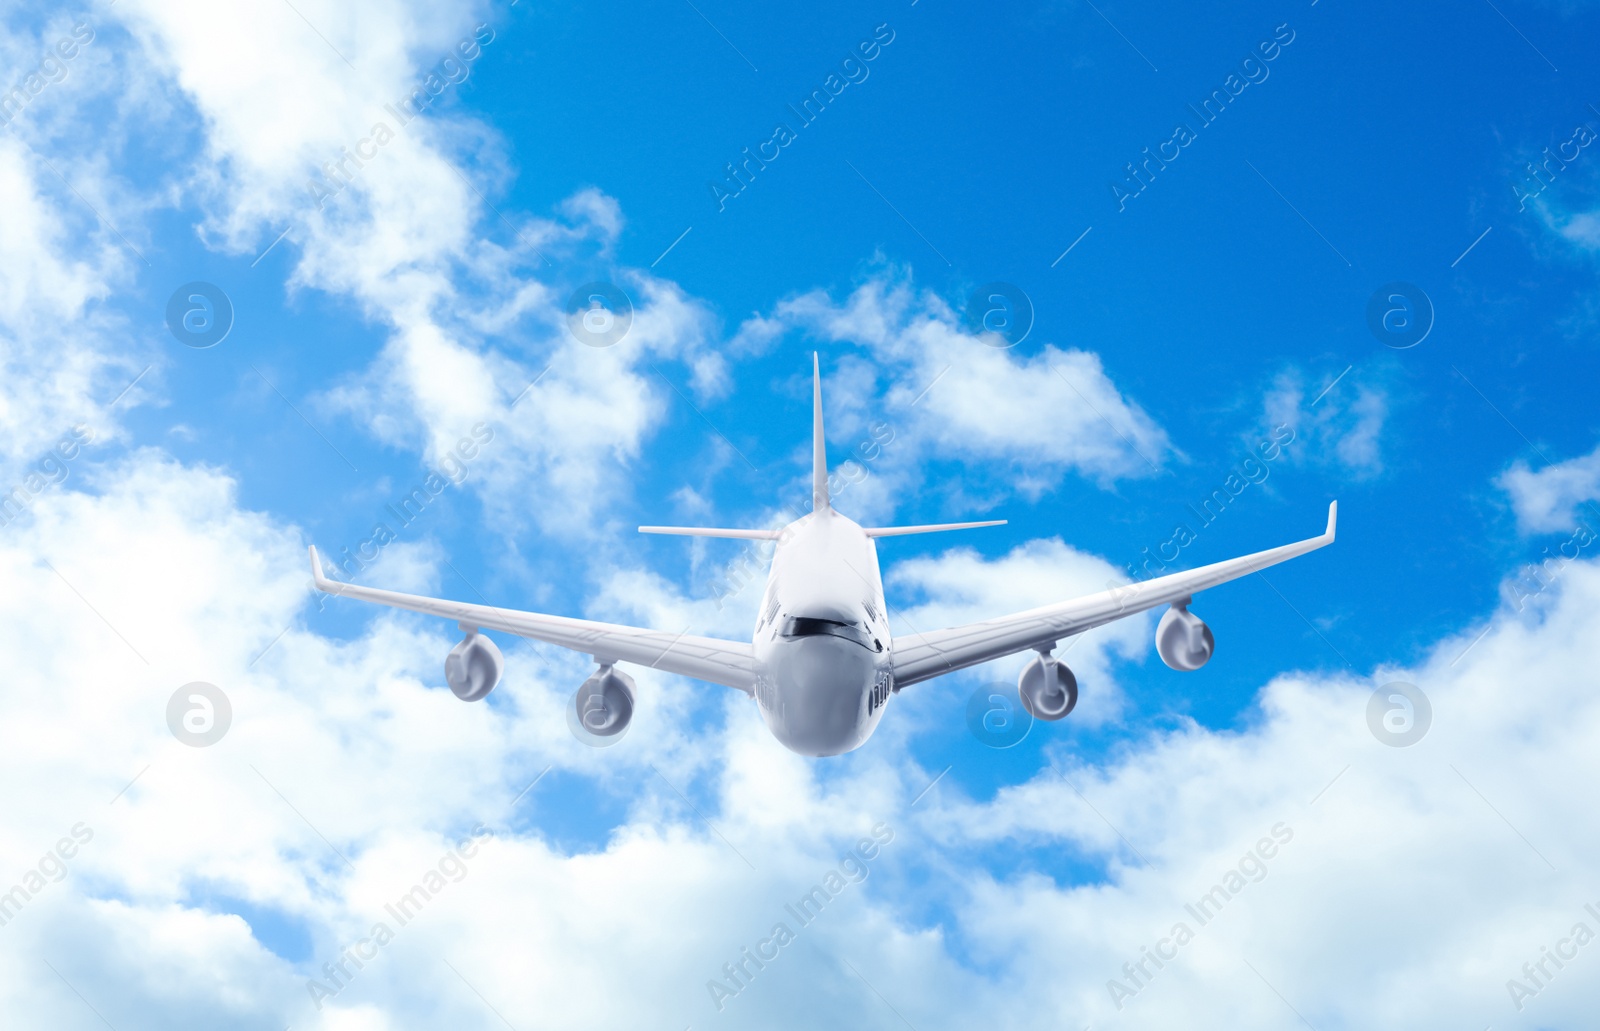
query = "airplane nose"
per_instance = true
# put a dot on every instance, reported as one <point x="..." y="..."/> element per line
<point x="821" y="681"/>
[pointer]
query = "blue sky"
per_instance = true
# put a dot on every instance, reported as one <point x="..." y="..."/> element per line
<point x="1177" y="324"/>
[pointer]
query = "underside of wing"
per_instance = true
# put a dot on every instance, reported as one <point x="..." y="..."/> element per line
<point x="730" y="663"/>
<point x="919" y="657"/>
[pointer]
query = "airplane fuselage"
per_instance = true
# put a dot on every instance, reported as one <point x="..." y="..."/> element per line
<point x="822" y="647"/>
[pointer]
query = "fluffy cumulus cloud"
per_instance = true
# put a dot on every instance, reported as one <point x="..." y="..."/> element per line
<point x="961" y="586"/>
<point x="65" y="357"/>
<point x="331" y="743"/>
<point x="1026" y="416"/>
<point x="1567" y="219"/>
<point x="336" y="131"/>
<point x="1555" y="497"/>
<point x="1341" y="429"/>
<point x="1427" y="874"/>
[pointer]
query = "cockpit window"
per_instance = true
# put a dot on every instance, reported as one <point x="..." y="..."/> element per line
<point x="809" y="626"/>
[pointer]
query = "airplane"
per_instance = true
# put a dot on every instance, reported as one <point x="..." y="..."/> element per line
<point x="822" y="663"/>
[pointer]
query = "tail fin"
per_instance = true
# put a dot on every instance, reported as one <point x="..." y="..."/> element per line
<point x="819" y="453"/>
<point x="820" y="501"/>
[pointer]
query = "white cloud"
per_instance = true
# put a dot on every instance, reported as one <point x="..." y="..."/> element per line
<point x="1582" y="229"/>
<point x="1548" y="500"/>
<point x="1342" y="428"/>
<point x="961" y="586"/>
<point x="1023" y="417"/>
<point x="413" y="240"/>
<point x="63" y="355"/>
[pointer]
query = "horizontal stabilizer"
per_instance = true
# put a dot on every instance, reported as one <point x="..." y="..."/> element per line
<point x="898" y="531"/>
<point x="708" y="531"/>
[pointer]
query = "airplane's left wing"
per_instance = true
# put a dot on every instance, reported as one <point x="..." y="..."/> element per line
<point x="705" y="658"/>
<point x="919" y="657"/>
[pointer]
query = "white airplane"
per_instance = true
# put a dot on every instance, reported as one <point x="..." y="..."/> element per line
<point x="822" y="663"/>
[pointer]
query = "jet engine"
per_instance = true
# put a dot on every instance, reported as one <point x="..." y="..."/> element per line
<point x="604" y="703"/>
<point x="473" y="667"/>
<point x="1183" y="640"/>
<point x="1048" y="688"/>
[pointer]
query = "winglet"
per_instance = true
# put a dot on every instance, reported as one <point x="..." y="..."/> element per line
<point x="1333" y="519"/>
<point x="320" y="578"/>
<point x="819" y="451"/>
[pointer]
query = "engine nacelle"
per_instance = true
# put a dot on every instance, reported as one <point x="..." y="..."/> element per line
<point x="473" y="667"/>
<point x="1048" y="688"/>
<point x="1183" y="640"/>
<point x="604" y="703"/>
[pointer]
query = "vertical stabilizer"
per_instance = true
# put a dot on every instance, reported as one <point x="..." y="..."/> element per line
<point x="819" y="452"/>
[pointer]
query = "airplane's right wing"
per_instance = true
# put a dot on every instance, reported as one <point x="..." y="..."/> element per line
<point x="919" y="657"/>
